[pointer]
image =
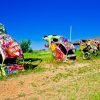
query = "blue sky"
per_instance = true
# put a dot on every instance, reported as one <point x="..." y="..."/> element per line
<point x="32" y="19"/>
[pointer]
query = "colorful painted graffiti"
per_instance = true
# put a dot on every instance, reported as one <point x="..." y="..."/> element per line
<point x="9" y="48"/>
<point x="89" y="47"/>
<point x="61" y="48"/>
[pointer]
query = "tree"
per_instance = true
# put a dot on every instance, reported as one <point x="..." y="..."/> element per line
<point x="25" y="45"/>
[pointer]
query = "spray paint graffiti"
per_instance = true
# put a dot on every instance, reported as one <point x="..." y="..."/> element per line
<point x="61" y="48"/>
<point x="9" y="48"/>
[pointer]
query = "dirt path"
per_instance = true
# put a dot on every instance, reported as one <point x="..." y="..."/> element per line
<point x="48" y="85"/>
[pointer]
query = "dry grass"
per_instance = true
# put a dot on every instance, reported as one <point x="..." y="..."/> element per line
<point x="60" y="81"/>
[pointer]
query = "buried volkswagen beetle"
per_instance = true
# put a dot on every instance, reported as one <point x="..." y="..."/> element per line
<point x="61" y="48"/>
<point x="9" y="52"/>
<point x="89" y="47"/>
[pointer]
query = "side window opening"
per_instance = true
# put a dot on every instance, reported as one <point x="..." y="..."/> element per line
<point x="55" y="40"/>
<point x="63" y="49"/>
<point x="70" y="51"/>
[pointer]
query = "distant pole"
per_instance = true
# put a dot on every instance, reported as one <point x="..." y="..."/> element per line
<point x="70" y="33"/>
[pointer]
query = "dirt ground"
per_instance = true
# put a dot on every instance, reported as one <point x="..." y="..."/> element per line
<point x="64" y="82"/>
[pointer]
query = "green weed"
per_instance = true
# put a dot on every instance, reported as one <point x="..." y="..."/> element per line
<point x="22" y="94"/>
<point x="39" y="69"/>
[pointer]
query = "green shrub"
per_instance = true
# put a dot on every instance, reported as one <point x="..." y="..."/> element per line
<point x="25" y="45"/>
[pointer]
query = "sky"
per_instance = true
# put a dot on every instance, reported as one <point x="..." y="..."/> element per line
<point x="33" y="19"/>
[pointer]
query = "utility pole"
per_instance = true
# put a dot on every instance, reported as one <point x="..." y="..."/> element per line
<point x="70" y="33"/>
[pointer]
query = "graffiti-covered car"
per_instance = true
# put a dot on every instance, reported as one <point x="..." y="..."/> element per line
<point x="61" y="48"/>
<point x="9" y="51"/>
<point x="89" y="47"/>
